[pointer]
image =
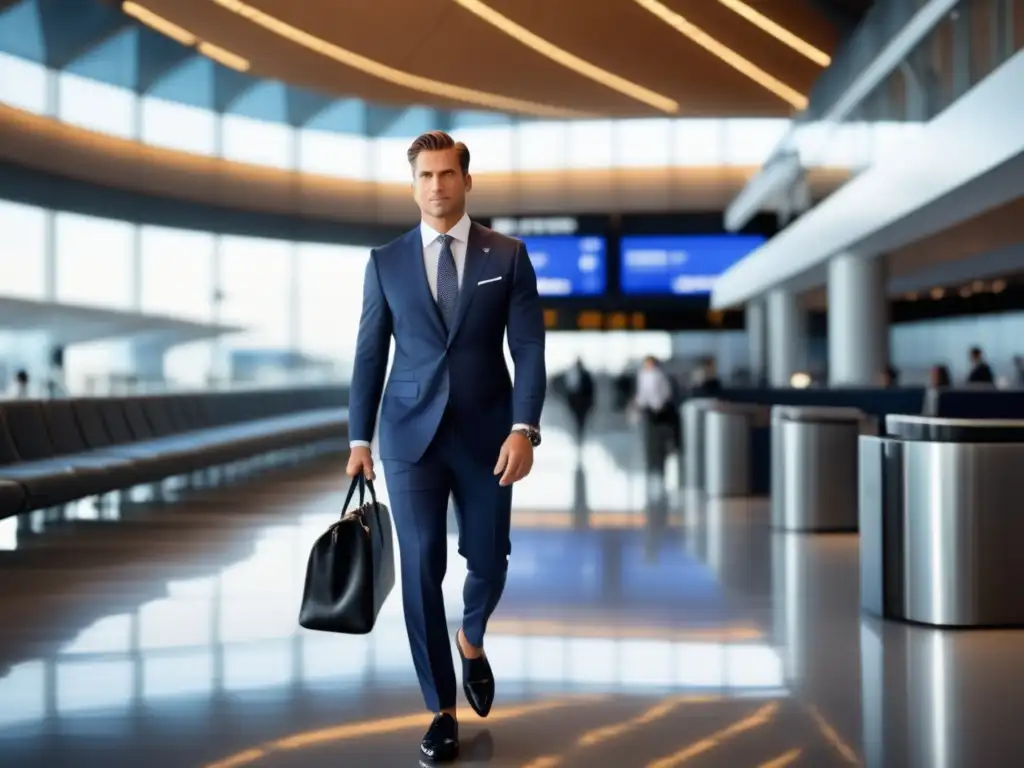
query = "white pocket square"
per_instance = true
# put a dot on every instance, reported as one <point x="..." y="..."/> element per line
<point x="490" y="280"/>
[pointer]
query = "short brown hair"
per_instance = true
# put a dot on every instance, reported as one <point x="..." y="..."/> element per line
<point x="437" y="140"/>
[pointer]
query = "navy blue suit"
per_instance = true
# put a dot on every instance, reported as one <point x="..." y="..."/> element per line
<point x="445" y="411"/>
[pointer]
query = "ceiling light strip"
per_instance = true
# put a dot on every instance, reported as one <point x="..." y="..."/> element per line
<point x="568" y="60"/>
<point x="159" y="23"/>
<point x="222" y="56"/>
<point x="390" y="74"/>
<point x="181" y="35"/>
<point x="725" y="53"/>
<point x="778" y="31"/>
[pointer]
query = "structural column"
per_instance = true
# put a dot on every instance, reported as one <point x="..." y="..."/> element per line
<point x="858" y="320"/>
<point x="787" y="336"/>
<point x="756" y="340"/>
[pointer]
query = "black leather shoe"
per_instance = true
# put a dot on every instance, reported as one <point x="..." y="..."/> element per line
<point x="441" y="742"/>
<point x="477" y="681"/>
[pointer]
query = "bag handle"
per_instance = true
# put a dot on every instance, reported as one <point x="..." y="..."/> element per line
<point x="362" y="483"/>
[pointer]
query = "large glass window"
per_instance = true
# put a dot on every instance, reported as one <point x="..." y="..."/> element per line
<point x="95" y="261"/>
<point x="491" y="149"/>
<point x="643" y="143"/>
<point x="698" y="143"/>
<point x="97" y="106"/>
<point x="330" y="298"/>
<point x="178" y="281"/>
<point x="542" y="146"/>
<point x="549" y="145"/>
<point x="591" y="144"/>
<point x="177" y="273"/>
<point x="22" y="84"/>
<point x="256" y="286"/>
<point x="178" y="126"/>
<point x="256" y="141"/>
<point x="335" y="154"/>
<point x="391" y="163"/>
<point x="750" y="142"/>
<point x="22" y="251"/>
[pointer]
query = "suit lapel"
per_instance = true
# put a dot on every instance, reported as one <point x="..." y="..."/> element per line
<point x="477" y="256"/>
<point x="421" y="288"/>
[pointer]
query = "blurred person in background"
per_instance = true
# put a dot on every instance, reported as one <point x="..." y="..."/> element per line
<point x="705" y="381"/>
<point x="655" y="404"/>
<point x="889" y="377"/>
<point x="938" y="379"/>
<point x="981" y="372"/>
<point x="20" y="386"/>
<point x="576" y="385"/>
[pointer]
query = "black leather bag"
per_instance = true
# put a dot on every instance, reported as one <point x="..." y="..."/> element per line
<point x="351" y="568"/>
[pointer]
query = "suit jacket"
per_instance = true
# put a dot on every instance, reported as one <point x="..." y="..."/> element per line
<point x="461" y="369"/>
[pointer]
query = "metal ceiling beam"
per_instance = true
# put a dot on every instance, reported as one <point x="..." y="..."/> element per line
<point x="302" y="105"/>
<point x="73" y="27"/>
<point x="228" y="85"/>
<point x="380" y="118"/>
<point x="157" y="56"/>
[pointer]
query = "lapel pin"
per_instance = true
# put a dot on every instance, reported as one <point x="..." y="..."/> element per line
<point x="487" y="250"/>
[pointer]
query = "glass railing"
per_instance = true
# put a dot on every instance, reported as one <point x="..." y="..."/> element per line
<point x="963" y="46"/>
<point x="875" y="31"/>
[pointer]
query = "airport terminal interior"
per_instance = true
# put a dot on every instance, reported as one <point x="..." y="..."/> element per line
<point x="772" y="516"/>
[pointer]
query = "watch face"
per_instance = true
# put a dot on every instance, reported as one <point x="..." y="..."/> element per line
<point x="532" y="435"/>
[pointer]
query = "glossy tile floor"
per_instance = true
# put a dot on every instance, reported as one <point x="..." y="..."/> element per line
<point x="166" y="636"/>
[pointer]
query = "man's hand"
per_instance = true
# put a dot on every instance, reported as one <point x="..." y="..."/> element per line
<point x="360" y="461"/>
<point x="515" y="459"/>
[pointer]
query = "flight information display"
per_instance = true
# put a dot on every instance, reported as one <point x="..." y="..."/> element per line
<point x="567" y="265"/>
<point x="680" y="264"/>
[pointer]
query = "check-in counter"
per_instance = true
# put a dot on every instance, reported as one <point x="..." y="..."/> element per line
<point x="730" y="431"/>
<point x="941" y="523"/>
<point x="814" y="467"/>
<point x="693" y="441"/>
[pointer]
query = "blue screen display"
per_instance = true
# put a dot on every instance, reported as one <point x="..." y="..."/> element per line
<point x="680" y="264"/>
<point x="567" y="265"/>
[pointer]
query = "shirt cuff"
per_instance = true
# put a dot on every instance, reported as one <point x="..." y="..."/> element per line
<point x="358" y="443"/>
<point x="523" y="426"/>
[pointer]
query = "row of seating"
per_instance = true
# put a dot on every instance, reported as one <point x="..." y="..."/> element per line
<point x="53" y="452"/>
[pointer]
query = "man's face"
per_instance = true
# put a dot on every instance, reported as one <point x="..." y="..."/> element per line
<point x="439" y="186"/>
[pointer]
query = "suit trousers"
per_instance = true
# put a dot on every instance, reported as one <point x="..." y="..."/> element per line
<point x="419" y="494"/>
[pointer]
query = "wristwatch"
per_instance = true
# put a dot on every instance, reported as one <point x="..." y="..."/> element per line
<point x="532" y="434"/>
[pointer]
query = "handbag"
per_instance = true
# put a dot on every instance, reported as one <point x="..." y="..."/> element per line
<point x="351" y="568"/>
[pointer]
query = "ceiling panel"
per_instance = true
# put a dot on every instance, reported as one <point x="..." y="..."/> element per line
<point x="448" y="41"/>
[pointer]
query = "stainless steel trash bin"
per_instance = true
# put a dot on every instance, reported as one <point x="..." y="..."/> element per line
<point x="728" y="443"/>
<point x="814" y="468"/>
<point x="693" y="441"/>
<point x="962" y="484"/>
<point x="880" y="522"/>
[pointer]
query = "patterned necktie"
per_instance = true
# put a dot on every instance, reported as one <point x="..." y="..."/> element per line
<point x="447" y="281"/>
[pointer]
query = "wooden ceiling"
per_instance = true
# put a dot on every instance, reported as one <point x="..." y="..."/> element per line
<point x="468" y="44"/>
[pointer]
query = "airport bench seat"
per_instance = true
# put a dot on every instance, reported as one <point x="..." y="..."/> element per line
<point x="12" y="497"/>
<point x="55" y="452"/>
<point x="197" y="448"/>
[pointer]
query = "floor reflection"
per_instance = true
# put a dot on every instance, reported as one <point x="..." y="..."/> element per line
<point x="631" y="633"/>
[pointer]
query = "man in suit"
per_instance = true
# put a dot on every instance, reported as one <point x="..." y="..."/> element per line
<point x="452" y="422"/>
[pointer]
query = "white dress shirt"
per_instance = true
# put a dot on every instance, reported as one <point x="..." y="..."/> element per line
<point x="432" y="250"/>
<point x="431" y="255"/>
<point x="653" y="389"/>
